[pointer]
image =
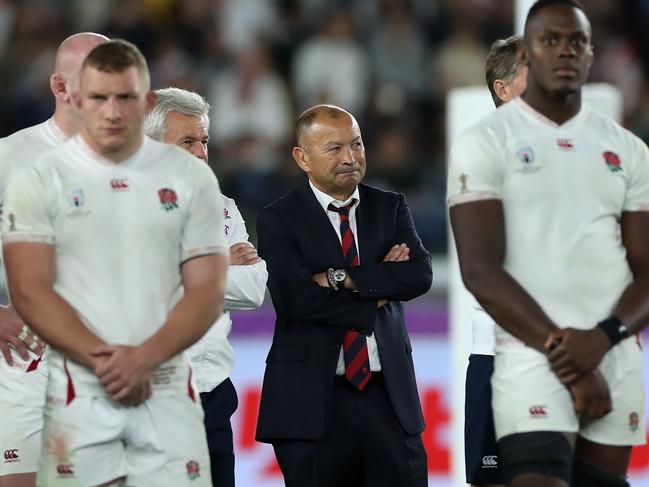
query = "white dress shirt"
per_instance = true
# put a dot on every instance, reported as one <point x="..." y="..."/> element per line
<point x="212" y="356"/>
<point x="324" y="200"/>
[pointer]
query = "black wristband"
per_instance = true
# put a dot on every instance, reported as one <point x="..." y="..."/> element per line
<point x="614" y="329"/>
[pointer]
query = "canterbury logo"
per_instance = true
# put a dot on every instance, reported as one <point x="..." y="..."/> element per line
<point x="490" y="460"/>
<point x="63" y="469"/>
<point x="119" y="184"/>
<point x="537" y="411"/>
<point x="11" y="455"/>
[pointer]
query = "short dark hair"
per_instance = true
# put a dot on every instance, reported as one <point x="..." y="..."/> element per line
<point x="541" y="4"/>
<point x="117" y="56"/>
<point x="308" y="117"/>
<point x="502" y="62"/>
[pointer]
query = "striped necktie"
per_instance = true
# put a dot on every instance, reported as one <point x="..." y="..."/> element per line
<point x="357" y="362"/>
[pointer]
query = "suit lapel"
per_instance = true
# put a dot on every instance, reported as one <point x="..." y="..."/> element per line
<point x="320" y="225"/>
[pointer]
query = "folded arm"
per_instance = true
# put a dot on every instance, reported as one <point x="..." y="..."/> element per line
<point x="479" y="231"/>
<point x="400" y="279"/>
<point x="247" y="276"/>
<point x="294" y="292"/>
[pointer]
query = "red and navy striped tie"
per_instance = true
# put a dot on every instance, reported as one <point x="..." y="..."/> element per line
<point x="357" y="362"/>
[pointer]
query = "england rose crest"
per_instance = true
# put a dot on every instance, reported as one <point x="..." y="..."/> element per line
<point x="193" y="470"/>
<point x="612" y="161"/>
<point x="168" y="199"/>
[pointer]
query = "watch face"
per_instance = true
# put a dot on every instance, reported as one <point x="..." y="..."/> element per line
<point x="340" y="275"/>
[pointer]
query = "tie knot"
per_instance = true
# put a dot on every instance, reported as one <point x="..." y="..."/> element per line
<point x="342" y="210"/>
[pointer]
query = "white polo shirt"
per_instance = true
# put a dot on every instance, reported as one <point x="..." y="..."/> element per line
<point x="563" y="190"/>
<point x="120" y="233"/>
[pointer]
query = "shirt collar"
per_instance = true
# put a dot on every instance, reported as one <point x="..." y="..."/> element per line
<point x="324" y="199"/>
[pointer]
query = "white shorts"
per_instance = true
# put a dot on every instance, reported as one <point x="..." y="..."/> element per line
<point x="160" y="443"/>
<point x="22" y="398"/>
<point x="527" y="396"/>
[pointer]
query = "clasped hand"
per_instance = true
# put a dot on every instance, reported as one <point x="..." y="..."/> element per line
<point x="124" y="372"/>
<point x="572" y="353"/>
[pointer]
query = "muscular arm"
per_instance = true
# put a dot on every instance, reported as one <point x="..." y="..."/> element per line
<point x="479" y="231"/>
<point x="31" y="272"/>
<point x="633" y="307"/>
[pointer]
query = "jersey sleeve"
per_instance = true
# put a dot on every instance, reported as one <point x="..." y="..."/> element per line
<point x="27" y="209"/>
<point x="203" y="231"/>
<point x="475" y="169"/>
<point x="637" y="195"/>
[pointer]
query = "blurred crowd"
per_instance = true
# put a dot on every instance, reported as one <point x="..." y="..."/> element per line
<point x="261" y="62"/>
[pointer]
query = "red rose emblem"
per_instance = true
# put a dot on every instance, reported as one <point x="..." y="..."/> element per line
<point x="168" y="198"/>
<point x="612" y="161"/>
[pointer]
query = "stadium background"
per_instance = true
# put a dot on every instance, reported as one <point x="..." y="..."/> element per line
<point x="260" y="62"/>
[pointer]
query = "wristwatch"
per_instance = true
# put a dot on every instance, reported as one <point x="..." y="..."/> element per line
<point x="336" y="278"/>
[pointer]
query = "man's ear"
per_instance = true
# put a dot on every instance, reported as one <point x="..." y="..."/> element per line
<point x="500" y="89"/>
<point x="151" y="99"/>
<point x="58" y="85"/>
<point x="301" y="159"/>
<point x="524" y="56"/>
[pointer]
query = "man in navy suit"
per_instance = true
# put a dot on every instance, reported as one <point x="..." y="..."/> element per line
<point x="339" y="401"/>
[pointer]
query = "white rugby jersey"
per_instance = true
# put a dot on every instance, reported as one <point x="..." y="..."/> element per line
<point x="563" y="190"/>
<point x="120" y="233"/>
<point x="212" y="356"/>
<point x="18" y="150"/>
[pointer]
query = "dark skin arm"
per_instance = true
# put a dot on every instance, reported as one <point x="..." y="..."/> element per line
<point x="575" y="352"/>
<point x="479" y="231"/>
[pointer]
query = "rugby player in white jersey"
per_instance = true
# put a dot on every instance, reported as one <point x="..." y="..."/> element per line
<point x="181" y="117"/>
<point x="506" y="79"/>
<point x="550" y="211"/>
<point x="115" y="254"/>
<point x="23" y="372"/>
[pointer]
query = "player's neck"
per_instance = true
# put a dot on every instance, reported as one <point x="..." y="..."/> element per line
<point x="65" y="121"/>
<point x="558" y="107"/>
<point x="108" y="154"/>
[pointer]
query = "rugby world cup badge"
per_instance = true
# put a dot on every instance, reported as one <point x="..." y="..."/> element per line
<point x="525" y="155"/>
<point x="76" y="199"/>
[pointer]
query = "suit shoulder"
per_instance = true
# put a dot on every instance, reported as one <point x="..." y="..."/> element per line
<point x="284" y="203"/>
<point x="373" y="192"/>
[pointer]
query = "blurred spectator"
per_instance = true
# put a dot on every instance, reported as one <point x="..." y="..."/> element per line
<point x="331" y="67"/>
<point x="130" y="20"/>
<point x="460" y="60"/>
<point x="244" y="21"/>
<point x="390" y="61"/>
<point x="251" y="122"/>
<point x="398" y="53"/>
<point x="7" y="14"/>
